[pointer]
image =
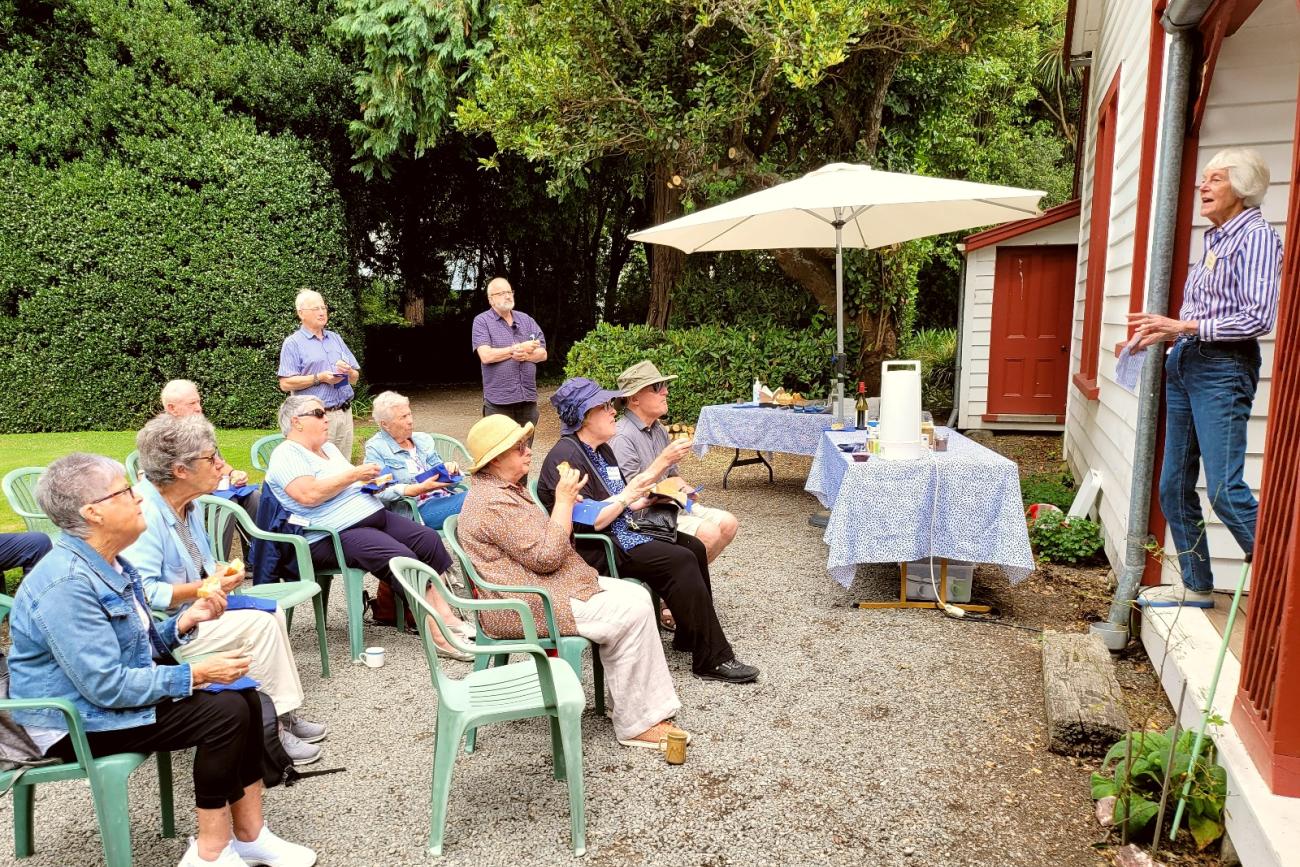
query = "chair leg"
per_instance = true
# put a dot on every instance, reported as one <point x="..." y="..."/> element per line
<point x="318" y="610"/>
<point x="109" y="794"/>
<point x="557" y="748"/>
<point x="571" y="734"/>
<point x="571" y="652"/>
<point x="598" y="678"/>
<point x="399" y="612"/>
<point x="352" y="586"/>
<point x="24" y="804"/>
<point x="288" y="618"/>
<point x="165" y="797"/>
<point x="444" y="762"/>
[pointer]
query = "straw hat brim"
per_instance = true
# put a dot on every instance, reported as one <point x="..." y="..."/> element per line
<point x="501" y="447"/>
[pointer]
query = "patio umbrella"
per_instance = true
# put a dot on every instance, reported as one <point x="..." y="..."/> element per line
<point x="844" y="205"/>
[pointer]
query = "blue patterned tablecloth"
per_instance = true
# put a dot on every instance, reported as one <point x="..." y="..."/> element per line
<point x="884" y="511"/>
<point x="759" y="428"/>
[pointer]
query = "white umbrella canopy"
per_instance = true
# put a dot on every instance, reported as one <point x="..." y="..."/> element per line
<point x="844" y="205"/>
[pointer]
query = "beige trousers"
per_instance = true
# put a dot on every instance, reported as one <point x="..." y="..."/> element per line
<point x="340" y="422"/>
<point x="690" y="522"/>
<point x="621" y="620"/>
<point x="262" y="635"/>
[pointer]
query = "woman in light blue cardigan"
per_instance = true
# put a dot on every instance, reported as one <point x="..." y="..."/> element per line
<point x="400" y="450"/>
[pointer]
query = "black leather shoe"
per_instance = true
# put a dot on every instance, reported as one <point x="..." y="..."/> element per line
<point x="732" y="671"/>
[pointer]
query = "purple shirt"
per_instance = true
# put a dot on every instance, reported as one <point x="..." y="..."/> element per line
<point x="507" y="381"/>
<point x="1232" y="292"/>
<point x="304" y="353"/>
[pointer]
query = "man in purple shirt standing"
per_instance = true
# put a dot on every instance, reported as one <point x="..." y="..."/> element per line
<point x="510" y="345"/>
<point x="1212" y="369"/>
<point x="317" y="362"/>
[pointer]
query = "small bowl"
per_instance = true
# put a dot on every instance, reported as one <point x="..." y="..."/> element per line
<point x="861" y="457"/>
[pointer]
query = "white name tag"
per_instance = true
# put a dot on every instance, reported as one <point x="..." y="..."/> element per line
<point x="299" y="521"/>
<point x="613" y="474"/>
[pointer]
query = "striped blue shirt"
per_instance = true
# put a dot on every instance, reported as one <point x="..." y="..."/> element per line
<point x="292" y="461"/>
<point x="1232" y="293"/>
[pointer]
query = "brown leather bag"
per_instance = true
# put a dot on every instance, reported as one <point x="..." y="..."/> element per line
<point x="383" y="611"/>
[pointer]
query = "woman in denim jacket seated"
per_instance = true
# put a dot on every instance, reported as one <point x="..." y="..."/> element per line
<point x="81" y="631"/>
<point x="400" y="450"/>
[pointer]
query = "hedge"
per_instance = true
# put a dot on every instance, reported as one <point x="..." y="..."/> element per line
<point x="714" y="364"/>
<point x="116" y="276"/>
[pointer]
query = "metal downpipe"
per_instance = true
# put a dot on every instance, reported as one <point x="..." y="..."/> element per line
<point x="961" y="313"/>
<point x="1180" y="20"/>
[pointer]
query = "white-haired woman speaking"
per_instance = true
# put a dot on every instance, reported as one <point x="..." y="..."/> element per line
<point x="1212" y="370"/>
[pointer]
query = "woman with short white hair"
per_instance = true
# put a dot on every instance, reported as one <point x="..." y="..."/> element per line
<point x="1212" y="370"/>
<point x="410" y="455"/>
<point x="313" y="481"/>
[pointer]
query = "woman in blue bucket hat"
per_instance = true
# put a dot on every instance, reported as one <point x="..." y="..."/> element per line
<point x="677" y="571"/>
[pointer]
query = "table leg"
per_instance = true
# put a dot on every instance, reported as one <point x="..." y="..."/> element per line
<point x="904" y="602"/>
<point x="738" y="461"/>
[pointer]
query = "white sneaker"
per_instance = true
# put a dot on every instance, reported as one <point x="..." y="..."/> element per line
<point x="227" y="858"/>
<point x="271" y="851"/>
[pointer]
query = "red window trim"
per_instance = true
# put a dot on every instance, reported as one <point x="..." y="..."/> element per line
<point x="1103" y="174"/>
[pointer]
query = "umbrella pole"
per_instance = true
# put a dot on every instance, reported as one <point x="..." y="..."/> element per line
<point x="839" y="318"/>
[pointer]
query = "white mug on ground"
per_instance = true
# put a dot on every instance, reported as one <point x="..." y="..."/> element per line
<point x="373" y="657"/>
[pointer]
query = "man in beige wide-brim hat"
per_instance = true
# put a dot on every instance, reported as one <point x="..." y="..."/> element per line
<point x="511" y="541"/>
<point x="642" y="443"/>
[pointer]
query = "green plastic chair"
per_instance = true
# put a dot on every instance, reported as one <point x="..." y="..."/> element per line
<point x="106" y="775"/>
<point x="568" y="647"/>
<point x="539" y="686"/>
<point x="133" y="466"/>
<point x="353" y="584"/>
<point x="593" y="537"/>
<point x="218" y="512"/>
<point x="452" y="449"/>
<point x="259" y="453"/>
<point x="20" y="490"/>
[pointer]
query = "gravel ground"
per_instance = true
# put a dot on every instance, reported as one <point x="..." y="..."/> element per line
<point x="881" y="737"/>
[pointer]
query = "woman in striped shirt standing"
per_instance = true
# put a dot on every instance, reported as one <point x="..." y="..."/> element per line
<point x="1212" y="369"/>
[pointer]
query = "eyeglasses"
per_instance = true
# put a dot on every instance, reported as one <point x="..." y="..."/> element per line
<point x="506" y="293"/>
<point x="319" y="308"/>
<point x="659" y="388"/>
<point x="125" y="490"/>
<point x="608" y="406"/>
<point x="314" y="413"/>
<point x="213" y="458"/>
<point x="522" y="447"/>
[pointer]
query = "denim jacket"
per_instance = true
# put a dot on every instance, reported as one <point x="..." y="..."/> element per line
<point x="382" y="449"/>
<point x="159" y="554"/>
<point x="77" y="635"/>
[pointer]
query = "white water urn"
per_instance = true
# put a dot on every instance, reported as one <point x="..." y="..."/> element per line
<point x="900" y="411"/>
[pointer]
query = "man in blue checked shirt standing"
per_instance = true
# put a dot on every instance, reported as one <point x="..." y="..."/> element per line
<point x="1212" y="369"/>
<point x="315" y="361"/>
<point x="510" y="345"/>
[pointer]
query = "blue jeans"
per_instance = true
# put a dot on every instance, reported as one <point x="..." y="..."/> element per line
<point x="1209" y="389"/>
<point x="435" y="510"/>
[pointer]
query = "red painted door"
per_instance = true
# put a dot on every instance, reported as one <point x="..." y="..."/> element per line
<point x="1029" y="350"/>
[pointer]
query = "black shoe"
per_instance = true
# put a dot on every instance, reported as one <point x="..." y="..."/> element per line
<point x="732" y="671"/>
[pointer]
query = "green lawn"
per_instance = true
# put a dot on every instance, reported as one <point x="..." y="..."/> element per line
<point x="37" y="450"/>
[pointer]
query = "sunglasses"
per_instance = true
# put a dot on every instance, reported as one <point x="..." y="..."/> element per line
<point x="314" y="413"/>
<point x="522" y="447"/>
<point x="125" y="490"/>
<point x="659" y="388"/>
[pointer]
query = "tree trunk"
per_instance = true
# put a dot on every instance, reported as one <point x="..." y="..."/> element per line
<point x="815" y="271"/>
<point x="666" y="263"/>
<point x="413" y="256"/>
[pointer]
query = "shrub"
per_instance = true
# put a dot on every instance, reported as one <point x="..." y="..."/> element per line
<point x="1055" y="488"/>
<point x="116" y="276"/>
<point x="713" y="364"/>
<point x="936" y="349"/>
<point x="1136" y="783"/>
<point x="1072" y="541"/>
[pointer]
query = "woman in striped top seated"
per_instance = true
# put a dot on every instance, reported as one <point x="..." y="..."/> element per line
<point x="319" y="487"/>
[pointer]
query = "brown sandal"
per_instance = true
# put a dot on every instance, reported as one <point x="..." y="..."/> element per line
<point x="666" y="620"/>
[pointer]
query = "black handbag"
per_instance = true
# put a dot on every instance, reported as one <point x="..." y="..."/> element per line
<point x="657" y="520"/>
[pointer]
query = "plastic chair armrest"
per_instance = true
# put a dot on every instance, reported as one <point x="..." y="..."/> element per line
<point x="609" y="550"/>
<point x="76" y="731"/>
<point x="301" y="550"/>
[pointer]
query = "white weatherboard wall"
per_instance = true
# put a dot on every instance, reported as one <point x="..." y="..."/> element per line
<point x="1100" y="433"/>
<point x="977" y="326"/>
<point x="1251" y="102"/>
